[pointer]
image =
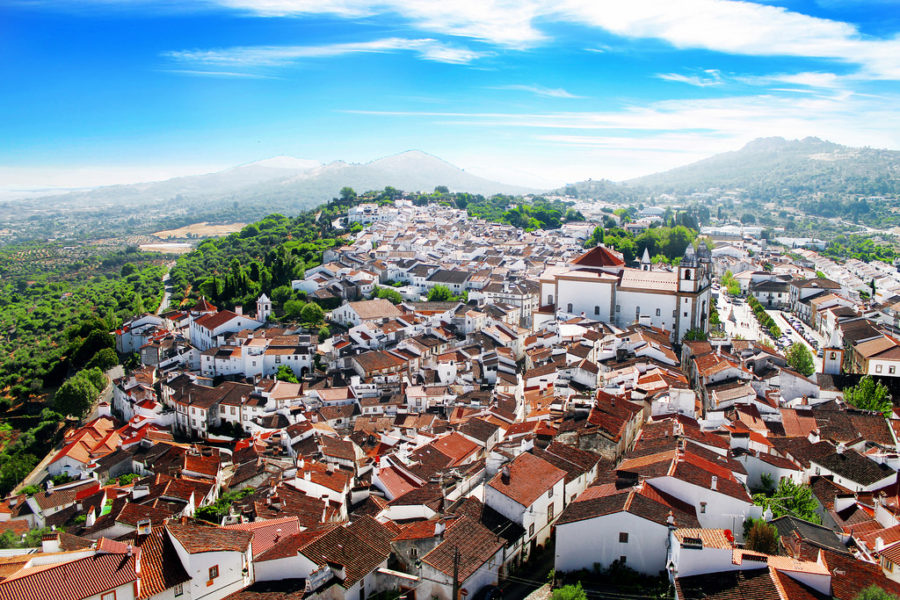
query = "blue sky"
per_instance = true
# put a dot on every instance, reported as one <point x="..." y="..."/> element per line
<point x="531" y="91"/>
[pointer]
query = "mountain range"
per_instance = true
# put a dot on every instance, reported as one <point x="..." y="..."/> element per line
<point x="768" y="168"/>
<point x="293" y="182"/>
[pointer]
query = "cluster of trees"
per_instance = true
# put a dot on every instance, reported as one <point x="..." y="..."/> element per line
<point x="869" y="394"/>
<point x="765" y="319"/>
<point x="215" y="512"/>
<point x="800" y="359"/>
<point x="264" y="257"/>
<point x="388" y="294"/>
<point x="21" y="448"/>
<point x="788" y="498"/>
<point x="861" y="248"/>
<point x="540" y="213"/>
<point x="665" y="244"/>
<point x="78" y="393"/>
<point x="441" y="293"/>
<point x="731" y="285"/>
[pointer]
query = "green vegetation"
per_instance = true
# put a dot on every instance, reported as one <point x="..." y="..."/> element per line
<point x="665" y="244"/>
<point x="215" y="512"/>
<point x="285" y="373"/>
<point x="441" y="293"/>
<point x="569" y="592"/>
<point x="31" y="539"/>
<point x="537" y="214"/>
<point x="731" y="285"/>
<point x="764" y="319"/>
<point x="800" y="359"/>
<point x="125" y="479"/>
<point x="388" y="294"/>
<point x="873" y="592"/>
<point x="869" y="394"/>
<point x="695" y="335"/>
<point x="860" y="247"/>
<point x="789" y="498"/>
<point x="760" y="536"/>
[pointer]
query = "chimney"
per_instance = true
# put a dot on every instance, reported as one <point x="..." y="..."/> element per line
<point x="50" y="543"/>
<point x="307" y="475"/>
<point x="840" y="448"/>
<point x="144" y="527"/>
<point x="90" y="519"/>
<point x="330" y="467"/>
<point x="130" y="549"/>
<point x="239" y="310"/>
<point x="714" y="483"/>
<point x="879" y="544"/>
<point x="439" y="528"/>
<point x="504" y="474"/>
<point x="670" y="520"/>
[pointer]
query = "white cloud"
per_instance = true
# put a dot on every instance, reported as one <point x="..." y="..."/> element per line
<point x="713" y="77"/>
<point x="538" y="90"/>
<point x="275" y="56"/>
<point x="729" y="26"/>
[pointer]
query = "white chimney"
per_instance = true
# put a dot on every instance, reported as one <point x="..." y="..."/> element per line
<point x="879" y="544"/>
<point x="714" y="483"/>
<point x="307" y="475"/>
<point x="91" y="518"/>
<point x="439" y="528"/>
<point x="239" y="310"/>
<point x="50" y="543"/>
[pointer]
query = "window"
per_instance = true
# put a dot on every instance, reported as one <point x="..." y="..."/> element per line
<point x="675" y="313"/>
<point x="637" y="311"/>
<point x="109" y="596"/>
<point x="623" y="559"/>
<point x="878" y="368"/>
<point x="597" y="310"/>
<point x="213" y="572"/>
<point x="531" y="530"/>
<point x="703" y="508"/>
<point x="891" y="370"/>
<point x="413" y="553"/>
<point x="277" y="359"/>
<point x="618" y="308"/>
<point x="550" y="493"/>
<point x="685" y="315"/>
<point x="832" y="355"/>
<point x="623" y="537"/>
<point x="550" y="513"/>
<point x="569" y="307"/>
<point x="687" y="274"/>
<point x="179" y="590"/>
<point x="657" y="312"/>
<point x="550" y="299"/>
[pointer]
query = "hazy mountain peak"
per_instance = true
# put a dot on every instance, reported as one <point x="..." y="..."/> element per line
<point x="286" y="162"/>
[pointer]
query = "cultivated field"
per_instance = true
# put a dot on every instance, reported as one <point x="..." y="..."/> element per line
<point x="200" y="230"/>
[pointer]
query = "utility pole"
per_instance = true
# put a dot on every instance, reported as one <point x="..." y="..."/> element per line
<point x="455" y="574"/>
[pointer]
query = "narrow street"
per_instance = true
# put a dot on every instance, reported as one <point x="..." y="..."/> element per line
<point x="167" y="290"/>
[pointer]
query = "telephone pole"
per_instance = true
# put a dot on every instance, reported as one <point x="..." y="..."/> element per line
<point x="455" y="573"/>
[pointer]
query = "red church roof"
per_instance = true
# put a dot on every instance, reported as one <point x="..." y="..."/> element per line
<point x="601" y="256"/>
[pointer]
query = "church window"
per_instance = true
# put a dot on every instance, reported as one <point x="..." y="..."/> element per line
<point x="687" y="274"/>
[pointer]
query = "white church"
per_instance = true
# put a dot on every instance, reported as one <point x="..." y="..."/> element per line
<point x="597" y="285"/>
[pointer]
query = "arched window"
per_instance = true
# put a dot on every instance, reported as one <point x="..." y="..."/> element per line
<point x="569" y="308"/>
<point x="597" y="310"/>
<point x="687" y="274"/>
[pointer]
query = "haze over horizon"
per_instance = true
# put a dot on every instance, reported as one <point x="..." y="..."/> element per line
<point x="534" y="93"/>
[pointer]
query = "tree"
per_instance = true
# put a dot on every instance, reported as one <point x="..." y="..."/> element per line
<point x="800" y="359"/>
<point x="873" y="592"/>
<point x="347" y="194"/>
<point x="284" y="373"/>
<point x="388" y="294"/>
<point x="695" y="335"/>
<point x="324" y="332"/>
<point x="569" y="592"/>
<point x="312" y="314"/>
<point x="762" y="537"/>
<point x="790" y="498"/>
<point x="105" y="360"/>
<point x="869" y="394"/>
<point x="294" y="308"/>
<point x="75" y="396"/>
<point x="440" y="293"/>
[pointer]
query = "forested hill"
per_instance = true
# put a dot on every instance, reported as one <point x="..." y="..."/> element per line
<point x="768" y="167"/>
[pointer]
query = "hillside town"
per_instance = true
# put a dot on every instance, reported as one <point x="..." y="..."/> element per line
<point x="566" y="416"/>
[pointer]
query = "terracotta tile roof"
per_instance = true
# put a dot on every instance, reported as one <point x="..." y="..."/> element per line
<point x="343" y="547"/>
<point x="266" y="532"/>
<point x="289" y="546"/>
<point x="474" y="542"/>
<point x="529" y="477"/>
<point x="161" y="568"/>
<point x="197" y="538"/>
<point x="72" y="580"/>
<point x="711" y="538"/>
<point x="601" y="256"/>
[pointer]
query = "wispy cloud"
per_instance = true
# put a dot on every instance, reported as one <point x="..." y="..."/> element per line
<point x="277" y="56"/>
<point x="217" y="74"/>
<point x="538" y="90"/>
<point x="712" y="77"/>
<point x="728" y="26"/>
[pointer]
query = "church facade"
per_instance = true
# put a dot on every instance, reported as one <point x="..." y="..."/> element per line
<point x="597" y="285"/>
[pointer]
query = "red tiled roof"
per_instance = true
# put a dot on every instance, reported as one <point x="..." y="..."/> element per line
<point x="529" y="477"/>
<point x="72" y="580"/>
<point x="267" y="532"/>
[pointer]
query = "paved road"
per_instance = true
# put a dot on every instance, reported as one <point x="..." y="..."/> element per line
<point x="167" y="290"/>
<point x="796" y="337"/>
<point x="745" y="324"/>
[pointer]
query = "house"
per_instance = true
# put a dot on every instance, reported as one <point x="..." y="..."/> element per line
<point x="630" y="525"/>
<point x="852" y="470"/>
<point x="356" y="313"/>
<point x="219" y="561"/>
<point x="470" y="552"/>
<point x="207" y="330"/>
<point x="528" y="491"/>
